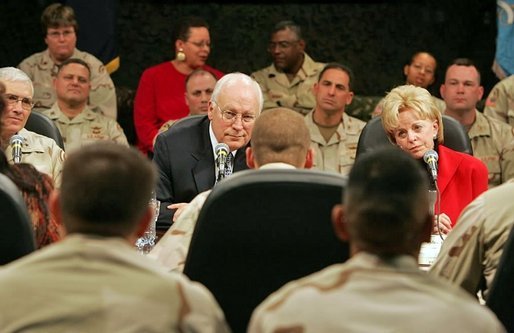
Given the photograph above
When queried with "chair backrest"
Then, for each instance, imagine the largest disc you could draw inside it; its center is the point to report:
(41, 124)
(16, 233)
(260, 229)
(373, 135)
(501, 293)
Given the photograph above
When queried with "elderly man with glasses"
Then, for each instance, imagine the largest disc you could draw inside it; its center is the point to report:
(185, 154)
(19, 144)
(288, 81)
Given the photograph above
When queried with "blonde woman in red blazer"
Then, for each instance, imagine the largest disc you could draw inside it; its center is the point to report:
(414, 124)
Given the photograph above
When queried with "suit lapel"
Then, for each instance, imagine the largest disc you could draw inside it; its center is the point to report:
(240, 159)
(203, 170)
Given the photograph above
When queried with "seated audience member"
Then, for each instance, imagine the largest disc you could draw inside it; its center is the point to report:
(36, 188)
(60, 31)
(385, 217)
(492, 140)
(419, 72)
(78, 124)
(414, 123)
(38, 150)
(94, 277)
(470, 254)
(199, 87)
(4, 163)
(188, 169)
(500, 102)
(289, 80)
(334, 134)
(280, 139)
(161, 89)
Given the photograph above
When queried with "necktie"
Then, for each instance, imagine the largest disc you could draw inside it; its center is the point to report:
(228, 168)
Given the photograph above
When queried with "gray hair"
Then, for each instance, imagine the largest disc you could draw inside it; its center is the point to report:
(238, 79)
(13, 74)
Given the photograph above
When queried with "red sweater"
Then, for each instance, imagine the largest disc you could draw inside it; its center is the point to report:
(461, 178)
(159, 98)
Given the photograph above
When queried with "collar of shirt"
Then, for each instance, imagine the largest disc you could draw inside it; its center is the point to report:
(480, 127)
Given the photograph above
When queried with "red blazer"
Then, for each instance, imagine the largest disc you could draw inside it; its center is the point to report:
(159, 98)
(461, 178)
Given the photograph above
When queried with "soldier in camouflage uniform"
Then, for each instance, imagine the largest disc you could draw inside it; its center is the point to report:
(59, 29)
(334, 134)
(500, 102)
(492, 140)
(385, 217)
(78, 124)
(94, 276)
(288, 82)
(471, 252)
(38, 150)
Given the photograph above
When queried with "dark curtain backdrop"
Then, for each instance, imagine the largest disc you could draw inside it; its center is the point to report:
(375, 38)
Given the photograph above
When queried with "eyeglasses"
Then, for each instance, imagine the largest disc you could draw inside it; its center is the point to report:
(231, 117)
(282, 45)
(57, 34)
(26, 103)
(201, 44)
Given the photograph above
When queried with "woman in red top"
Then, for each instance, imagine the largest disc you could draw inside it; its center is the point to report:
(161, 90)
(413, 123)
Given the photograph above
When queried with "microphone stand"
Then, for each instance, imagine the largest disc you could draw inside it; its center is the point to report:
(438, 210)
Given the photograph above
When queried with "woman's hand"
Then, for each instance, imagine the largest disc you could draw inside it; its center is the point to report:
(445, 224)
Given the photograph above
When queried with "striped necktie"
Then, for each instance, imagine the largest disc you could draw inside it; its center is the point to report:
(229, 166)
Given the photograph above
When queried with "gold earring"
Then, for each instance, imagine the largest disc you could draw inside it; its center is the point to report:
(181, 56)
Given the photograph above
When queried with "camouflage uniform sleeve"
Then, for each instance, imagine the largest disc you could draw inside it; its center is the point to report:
(497, 103)
(27, 67)
(171, 250)
(507, 158)
(58, 157)
(199, 310)
(459, 260)
(117, 135)
(260, 78)
(103, 94)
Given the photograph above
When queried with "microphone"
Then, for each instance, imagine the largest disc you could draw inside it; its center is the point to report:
(431, 158)
(221, 150)
(16, 141)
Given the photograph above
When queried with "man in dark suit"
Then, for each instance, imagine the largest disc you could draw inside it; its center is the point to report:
(184, 154)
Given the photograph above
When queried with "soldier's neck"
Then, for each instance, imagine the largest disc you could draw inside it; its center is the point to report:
(71, 110)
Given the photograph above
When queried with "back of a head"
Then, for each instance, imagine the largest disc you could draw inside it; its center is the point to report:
(36, 188)
(386, 202)
(56, 16)
(105, 189)
(238, 80)
(280, 135)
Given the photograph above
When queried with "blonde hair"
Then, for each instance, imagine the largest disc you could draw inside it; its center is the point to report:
(409, 97)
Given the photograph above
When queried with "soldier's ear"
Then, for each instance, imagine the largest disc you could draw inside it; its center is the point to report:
(250, 159)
